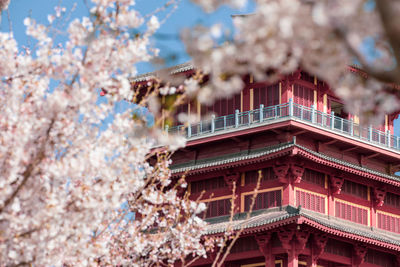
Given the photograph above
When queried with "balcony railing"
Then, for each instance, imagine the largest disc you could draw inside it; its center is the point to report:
(292, 111)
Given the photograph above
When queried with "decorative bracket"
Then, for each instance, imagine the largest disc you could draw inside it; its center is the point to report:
(318, 246)
(281, 171)
(265, 247)
(291, 172)
(231, 177)
(359, 253)
(336, 184)
(297, 170)
(293, 246)
(379, 196)
(286, 236)
(302, 237)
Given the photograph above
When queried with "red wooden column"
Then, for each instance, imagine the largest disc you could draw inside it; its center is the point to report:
(232, 177)
(377, 200)
(289, 173)
(287, 83)
(335, 186)
(265, 247)
(286, 238)
(281, 171)
(293, 241)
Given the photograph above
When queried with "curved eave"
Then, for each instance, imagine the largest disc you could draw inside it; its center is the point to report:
(291, 215)
(287, 149)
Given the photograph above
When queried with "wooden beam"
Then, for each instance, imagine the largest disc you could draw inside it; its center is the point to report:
(299, 132)
(372, 155)
(350, 149)
(330, 142)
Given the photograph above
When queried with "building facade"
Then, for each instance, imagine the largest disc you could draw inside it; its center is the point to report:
(328, 194)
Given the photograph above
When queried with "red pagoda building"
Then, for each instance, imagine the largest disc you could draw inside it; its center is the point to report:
(328, 194)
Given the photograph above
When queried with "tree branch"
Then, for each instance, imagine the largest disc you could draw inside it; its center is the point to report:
(28, 171)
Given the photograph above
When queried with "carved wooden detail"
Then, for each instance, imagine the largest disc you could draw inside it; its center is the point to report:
(359, 253)
(289, 172)
(296, 171)
(231, 177)
(265, 247)
(285, 235)
(302, 237)
(336, 183)
(293, 241)
(318, 245)
(379, 196)
(281, 171)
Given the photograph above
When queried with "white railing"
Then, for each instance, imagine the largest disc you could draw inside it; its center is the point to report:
(288, 110)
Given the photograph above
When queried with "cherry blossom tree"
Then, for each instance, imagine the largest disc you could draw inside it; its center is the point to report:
(69, 189)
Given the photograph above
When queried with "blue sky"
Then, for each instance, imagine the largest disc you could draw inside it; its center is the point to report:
(166, 39)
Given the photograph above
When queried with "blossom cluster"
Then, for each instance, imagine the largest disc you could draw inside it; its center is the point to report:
(74, 193)
(280, 36)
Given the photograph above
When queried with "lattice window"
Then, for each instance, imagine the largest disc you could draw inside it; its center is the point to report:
(243, 244)
(389, 223)
(223, 106)
(355, 189)
(251, 177)
(268, 96)
(380, 258)
(392, 200)
(264, 200)
(314, 177)
(310, 201)
(307, 77)
(207, 185)
(303, 95)
(351, 213)
(337, 247)
(218, 208)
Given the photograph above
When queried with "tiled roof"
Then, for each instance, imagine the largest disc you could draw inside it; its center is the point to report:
(173, 70)
(348, 164)
(270, 216)
(229, 158)
(257, 153)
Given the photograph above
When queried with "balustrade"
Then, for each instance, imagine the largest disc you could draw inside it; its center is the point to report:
(292, 111)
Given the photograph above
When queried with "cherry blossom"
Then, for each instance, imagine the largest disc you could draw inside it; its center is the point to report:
(71, 192)
(321, 37)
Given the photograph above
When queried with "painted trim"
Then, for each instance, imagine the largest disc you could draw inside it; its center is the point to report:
(315, 99)
(325, 103)
(280, 93)
(386, 123)
(243, 179)
(326, 181)
(198, 110)
(251, 99)
(262, 264)
(386, 213)
(305, 264)
(325, 197)
(215, 198)
(241, 101)
(369, 193)
(356, 119)
(355, 205)
(243, 195)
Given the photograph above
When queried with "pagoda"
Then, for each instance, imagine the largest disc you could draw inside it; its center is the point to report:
(328, 194)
